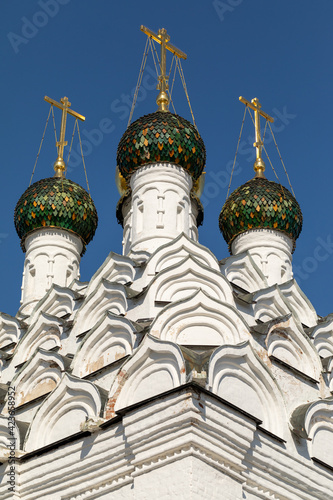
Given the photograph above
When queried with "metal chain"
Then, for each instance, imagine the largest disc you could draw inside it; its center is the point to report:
(233, 166)
(151, 45)
(54, 125)
(181, 73)
(70, 147)
(40, 146)
(271, 164)
(285, 170)
(84, 165)
(263, 139)
(143, 65)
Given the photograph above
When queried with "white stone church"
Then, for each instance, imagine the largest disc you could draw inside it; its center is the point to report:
(170, 374)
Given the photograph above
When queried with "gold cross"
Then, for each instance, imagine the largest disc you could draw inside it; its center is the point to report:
(163, 39)
(259, 165)
(64, 105)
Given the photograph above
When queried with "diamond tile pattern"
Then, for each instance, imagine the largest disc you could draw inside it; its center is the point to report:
(56, 202)
(161, 137)
(260, 203)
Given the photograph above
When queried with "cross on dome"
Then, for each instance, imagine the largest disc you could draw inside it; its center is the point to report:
(64, 104)
(163, 39)
(259, 165)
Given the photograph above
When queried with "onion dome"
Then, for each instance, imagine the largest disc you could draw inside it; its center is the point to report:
(260, 204)
(56, 202)
(161, 137)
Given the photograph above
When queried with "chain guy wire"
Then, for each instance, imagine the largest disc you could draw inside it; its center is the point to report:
(173, 81)
(54, 125)
(239, 138)
(285, 170)
(70, 147)
(182, 77)
(152, 47)
(40, 146)
(143, 65)
(84, 165)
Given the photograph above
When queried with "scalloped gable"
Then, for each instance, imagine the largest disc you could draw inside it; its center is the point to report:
(314, 422)
(287, 342)
(45, 332)
(110, 340)
(200, 320)
(237, 374)
(107, 296)
(39, 376)
(58, 301)
(156, 367)
(322, 336)
(9, 330)
(116, 268)
(271, 303)
(242, 271)
(175, 251)
(185, 278)
(63, 412)
(300, 303)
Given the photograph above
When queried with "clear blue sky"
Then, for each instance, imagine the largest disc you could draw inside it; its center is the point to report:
(278, 51)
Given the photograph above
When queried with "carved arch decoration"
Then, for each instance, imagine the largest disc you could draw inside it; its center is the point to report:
(314, 422)
(106, 297)
(9, 330)
(58, 301)
(200, 320)
(270, 303)
(63, 412)
(299, 303)
(155, 367)
(116, 268)
(44, 333)
(287, 342)
(39, 376)
(176, 251)
(322, 337)
(111, 339)
(185, 278)
(242, 271)
(237, 375)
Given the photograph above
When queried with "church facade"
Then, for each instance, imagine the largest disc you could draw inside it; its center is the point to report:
(170, 374)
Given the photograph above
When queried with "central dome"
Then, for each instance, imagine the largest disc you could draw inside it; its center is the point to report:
(58, 203)
(161, 137)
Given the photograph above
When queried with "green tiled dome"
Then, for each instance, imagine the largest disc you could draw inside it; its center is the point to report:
(260, 204)
(161, 137)
(59, 203)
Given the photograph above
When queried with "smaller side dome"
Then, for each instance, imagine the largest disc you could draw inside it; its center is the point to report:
(161, 137)
(260, 204)
(58, 203)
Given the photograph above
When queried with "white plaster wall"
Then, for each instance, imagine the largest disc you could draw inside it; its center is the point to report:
(160, 208)
(271, 251)
(52, 257)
